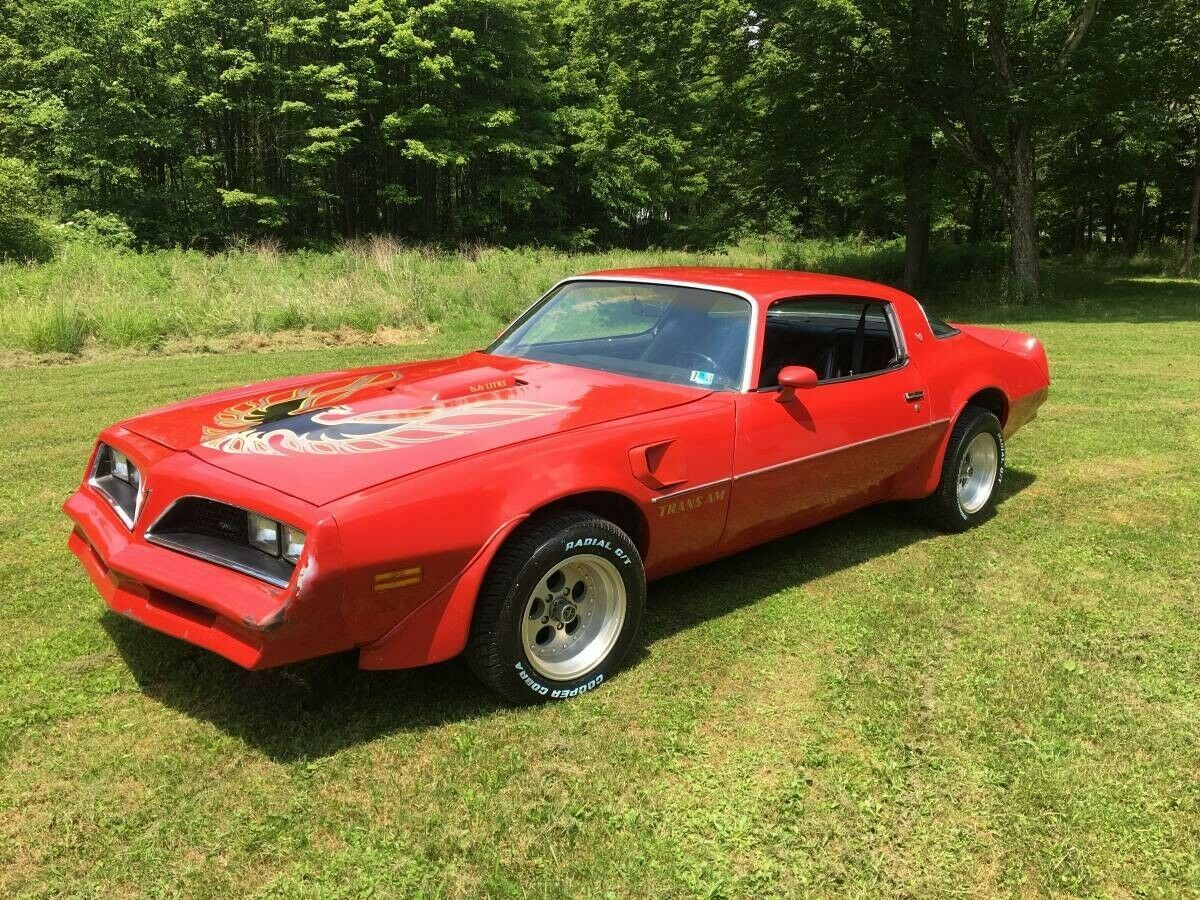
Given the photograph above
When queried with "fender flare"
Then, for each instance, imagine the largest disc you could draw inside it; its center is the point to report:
(939, 457)
(437, 630)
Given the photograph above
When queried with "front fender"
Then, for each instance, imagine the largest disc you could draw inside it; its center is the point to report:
(417, 549)
(437, 630)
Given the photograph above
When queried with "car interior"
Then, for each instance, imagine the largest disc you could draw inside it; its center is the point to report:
(680, 335)
(699, 339)
(835, 338)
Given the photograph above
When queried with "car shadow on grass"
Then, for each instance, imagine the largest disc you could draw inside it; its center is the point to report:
(315, 709)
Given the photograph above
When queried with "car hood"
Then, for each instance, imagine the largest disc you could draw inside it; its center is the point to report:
(321, 437)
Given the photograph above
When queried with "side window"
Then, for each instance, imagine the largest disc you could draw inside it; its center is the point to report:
(836, 338)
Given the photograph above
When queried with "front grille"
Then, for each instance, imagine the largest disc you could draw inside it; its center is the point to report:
(218, 533)
(201, 516)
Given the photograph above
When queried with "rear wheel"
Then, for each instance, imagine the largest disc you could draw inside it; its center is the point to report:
(972, 471)
(559, 609)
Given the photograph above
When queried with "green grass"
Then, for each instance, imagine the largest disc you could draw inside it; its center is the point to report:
(865, 708)
(102, 300)
(128, 300)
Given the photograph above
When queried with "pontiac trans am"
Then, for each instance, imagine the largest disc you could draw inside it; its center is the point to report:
(512, 503)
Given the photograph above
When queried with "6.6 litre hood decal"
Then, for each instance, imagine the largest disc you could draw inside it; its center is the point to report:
(340, 429)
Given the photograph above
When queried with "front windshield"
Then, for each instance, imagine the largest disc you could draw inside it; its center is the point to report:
(683, 335)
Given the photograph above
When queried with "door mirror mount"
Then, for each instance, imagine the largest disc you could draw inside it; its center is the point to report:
(795, 378)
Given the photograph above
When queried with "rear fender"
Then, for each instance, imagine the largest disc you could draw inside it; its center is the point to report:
(1017, 343)
(925, 480)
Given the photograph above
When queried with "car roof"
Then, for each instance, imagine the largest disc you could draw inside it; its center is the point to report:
(765, 285)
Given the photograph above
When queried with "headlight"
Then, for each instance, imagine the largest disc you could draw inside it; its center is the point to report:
(293, 543)
(263, 533)
(274, 538)
(119, 480)
(230, 536)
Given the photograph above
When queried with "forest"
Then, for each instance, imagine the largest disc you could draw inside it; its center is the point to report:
(1050, 126)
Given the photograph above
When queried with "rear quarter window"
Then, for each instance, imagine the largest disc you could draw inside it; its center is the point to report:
(940, 328)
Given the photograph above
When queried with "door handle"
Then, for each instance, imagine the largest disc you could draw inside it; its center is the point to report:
(914, 396)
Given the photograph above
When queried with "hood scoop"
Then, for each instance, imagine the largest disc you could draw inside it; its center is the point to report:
(466, 383)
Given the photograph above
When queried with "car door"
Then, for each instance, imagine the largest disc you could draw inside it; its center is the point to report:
(834, 446)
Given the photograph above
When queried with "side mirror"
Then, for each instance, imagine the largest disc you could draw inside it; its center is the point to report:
(795, 378)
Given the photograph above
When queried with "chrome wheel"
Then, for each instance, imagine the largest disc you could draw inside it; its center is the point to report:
(977, 472)
(573, 617)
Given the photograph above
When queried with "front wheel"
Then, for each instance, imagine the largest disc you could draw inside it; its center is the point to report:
(559, 609)
(972, 471)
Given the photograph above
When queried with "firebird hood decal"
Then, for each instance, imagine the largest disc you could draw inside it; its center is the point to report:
(341, 430)
(324, 436)
(273, 407)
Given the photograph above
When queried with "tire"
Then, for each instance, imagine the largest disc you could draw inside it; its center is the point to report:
(536, 637)
(957, 506)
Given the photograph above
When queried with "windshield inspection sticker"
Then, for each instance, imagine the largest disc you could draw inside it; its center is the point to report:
(704, 379)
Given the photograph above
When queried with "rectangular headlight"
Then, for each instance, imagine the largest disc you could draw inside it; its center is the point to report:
(118, 479)
(274, 538)
(120, 465)
(231, 536)
(293, 543)
(263, 533)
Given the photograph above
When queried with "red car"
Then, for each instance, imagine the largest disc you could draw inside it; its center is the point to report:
(513, 502)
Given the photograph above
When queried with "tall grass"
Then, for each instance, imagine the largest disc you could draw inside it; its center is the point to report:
(111, 298)
(884, 260)
(122, 299)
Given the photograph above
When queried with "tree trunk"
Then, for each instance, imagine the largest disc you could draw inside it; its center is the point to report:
(1022, 216)
(917, 169)
(1133, 228)
(1079, 229)
(978, 192)
(1160, 228)
(976, 233)
(1189, 240)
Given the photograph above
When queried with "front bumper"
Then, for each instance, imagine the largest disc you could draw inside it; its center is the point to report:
(246, 620)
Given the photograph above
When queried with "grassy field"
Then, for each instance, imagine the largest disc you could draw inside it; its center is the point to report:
(93, 301)
(868, 707)
(97, 298)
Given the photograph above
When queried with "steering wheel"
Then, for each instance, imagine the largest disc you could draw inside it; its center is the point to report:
(707, 363)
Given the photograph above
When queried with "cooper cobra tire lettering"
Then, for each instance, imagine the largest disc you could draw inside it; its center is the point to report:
(533, 685)
(496, 645)
(559, 693)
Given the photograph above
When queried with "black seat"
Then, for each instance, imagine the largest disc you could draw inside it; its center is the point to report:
(827, 364)
(787, 346)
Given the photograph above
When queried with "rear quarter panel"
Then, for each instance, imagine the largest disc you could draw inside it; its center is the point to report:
(961, 365)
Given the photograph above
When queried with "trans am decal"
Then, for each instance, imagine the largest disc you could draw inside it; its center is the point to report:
(339, 429)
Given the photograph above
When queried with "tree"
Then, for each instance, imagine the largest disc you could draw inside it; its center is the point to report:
(997, 72)
(22, 234)
(1179, 98)
(585, 122)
